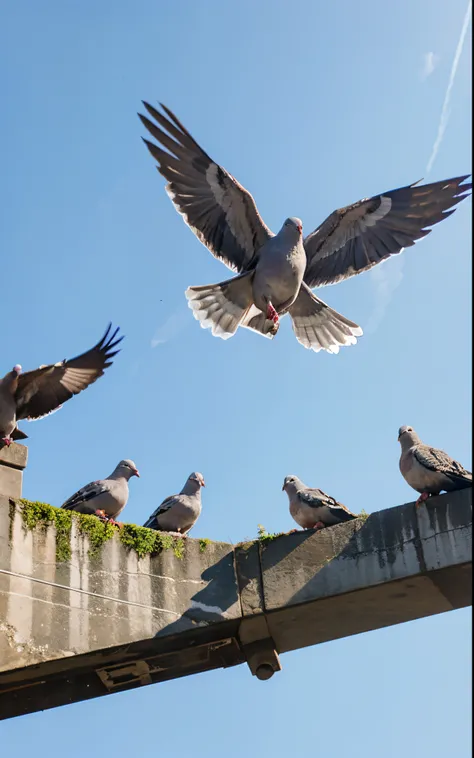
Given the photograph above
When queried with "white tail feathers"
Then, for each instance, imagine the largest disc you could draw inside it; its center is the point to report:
(318, 327)
(221, 307)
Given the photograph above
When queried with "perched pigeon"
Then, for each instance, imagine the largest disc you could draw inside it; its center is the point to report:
(277, 272)
(311, 508)
(38, 393)
(179, 513)
(107, 497)
(428, 470)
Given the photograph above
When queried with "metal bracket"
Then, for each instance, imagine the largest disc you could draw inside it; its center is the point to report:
(137, 672)
(262, 658)
(259, 647)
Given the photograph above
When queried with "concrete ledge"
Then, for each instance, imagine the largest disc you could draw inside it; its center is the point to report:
(51, 609)
(91, 625)
(13, 461)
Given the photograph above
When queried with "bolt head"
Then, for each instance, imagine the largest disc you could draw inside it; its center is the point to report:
(264, 671)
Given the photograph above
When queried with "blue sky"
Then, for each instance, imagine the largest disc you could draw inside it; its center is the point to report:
(311, 106)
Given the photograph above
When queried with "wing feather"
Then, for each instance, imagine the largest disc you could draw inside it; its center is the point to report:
(356, 238)
(44, 390)
(219, 210)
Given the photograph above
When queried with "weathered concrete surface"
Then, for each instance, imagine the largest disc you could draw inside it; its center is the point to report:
(51, 610)
(91, 626)
(400, 564)
(13, 461)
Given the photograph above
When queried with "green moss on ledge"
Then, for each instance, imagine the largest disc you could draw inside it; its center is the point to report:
(363, 515)
(147, 541)
(36, 513)
(264, 536)
(98, 532)
(142, 541)
(203, 543)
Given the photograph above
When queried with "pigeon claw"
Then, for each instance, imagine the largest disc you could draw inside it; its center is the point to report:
(101, 514)
(319, 525)
(6, 441)
(115, 523)
(424, 496)
(272, 315)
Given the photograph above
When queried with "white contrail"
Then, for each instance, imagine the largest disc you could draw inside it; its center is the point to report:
(386, 281)
(443, 122)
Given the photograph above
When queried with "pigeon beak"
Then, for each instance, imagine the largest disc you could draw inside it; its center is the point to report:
(300, 228)
(283, 488)
(203, 483)
(136, 472)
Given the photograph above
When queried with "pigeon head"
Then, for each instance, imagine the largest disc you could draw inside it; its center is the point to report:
(197, 478)
(407, 436)
(127, 469)
(11, 379)
(293, 225)
(292, 484)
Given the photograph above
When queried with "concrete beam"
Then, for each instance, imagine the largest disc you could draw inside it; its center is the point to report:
(92, 625)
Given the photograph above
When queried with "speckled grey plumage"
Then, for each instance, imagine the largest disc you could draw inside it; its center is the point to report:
(310, 506)
(109, 495)
(428, 470)
(178, 513)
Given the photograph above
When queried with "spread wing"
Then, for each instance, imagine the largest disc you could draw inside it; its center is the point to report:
(356, 238)
(151, 522)
(43, 391)
(220, 212)
(440, 462)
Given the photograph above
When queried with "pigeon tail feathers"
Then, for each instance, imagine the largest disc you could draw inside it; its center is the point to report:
(319, 327)
(222, 307)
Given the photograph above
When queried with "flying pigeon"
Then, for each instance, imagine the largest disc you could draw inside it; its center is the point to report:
(38, 393)
(311, 508)
(428, 470)
(105, 498)
(178, 513)
(276, 273)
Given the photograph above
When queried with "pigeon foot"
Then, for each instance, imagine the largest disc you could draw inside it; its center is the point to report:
(272, 314)
(424, 496)
(6, 441)
(101, 514)
(115, 523)
(318, 525)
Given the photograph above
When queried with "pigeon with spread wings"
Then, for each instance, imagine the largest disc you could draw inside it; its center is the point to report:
(276, 273)
(38, 393)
